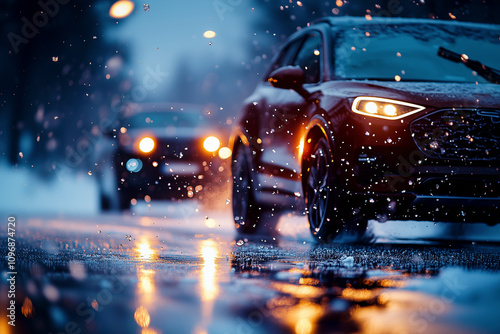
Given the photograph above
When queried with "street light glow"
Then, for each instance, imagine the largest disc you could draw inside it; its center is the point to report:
(121, 9)
(209, 34)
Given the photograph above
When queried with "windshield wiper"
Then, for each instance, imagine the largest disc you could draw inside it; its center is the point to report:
(489, 73)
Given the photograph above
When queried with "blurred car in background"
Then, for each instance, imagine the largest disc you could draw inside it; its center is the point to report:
(373, 119)
(166, 151)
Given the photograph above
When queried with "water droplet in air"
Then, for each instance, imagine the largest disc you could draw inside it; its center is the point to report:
(146, 7)
(228, 201)
(240, 242)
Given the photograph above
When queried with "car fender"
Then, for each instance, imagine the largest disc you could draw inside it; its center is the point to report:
(317, 126)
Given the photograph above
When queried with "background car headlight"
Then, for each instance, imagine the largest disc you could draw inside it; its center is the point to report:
(384, 108)
(146, 144)
(211, 144)
(225, 152)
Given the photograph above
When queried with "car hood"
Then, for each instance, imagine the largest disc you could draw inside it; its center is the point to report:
(170, 132)
(431, 94)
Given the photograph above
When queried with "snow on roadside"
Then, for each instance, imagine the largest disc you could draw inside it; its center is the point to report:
(455, 301)
(24, 192)
(475, 296)
(461, 286)
(402, 231)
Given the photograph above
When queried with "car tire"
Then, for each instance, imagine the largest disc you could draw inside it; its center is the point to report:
(329, 212)
(246, 212)
(123, 200)
(104, 202)
(118, 202)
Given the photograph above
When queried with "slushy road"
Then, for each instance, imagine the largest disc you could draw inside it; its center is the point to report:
(179, 268)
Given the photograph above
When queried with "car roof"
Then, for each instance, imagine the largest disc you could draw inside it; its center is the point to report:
(346, 22)
(165, 107)
(350, 21)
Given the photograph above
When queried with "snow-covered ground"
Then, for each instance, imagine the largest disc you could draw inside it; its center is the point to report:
(25, 193)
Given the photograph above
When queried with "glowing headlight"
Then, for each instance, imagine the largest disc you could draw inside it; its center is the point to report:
(384, 108)
(225, 152)
(211, 144)
(146, 144)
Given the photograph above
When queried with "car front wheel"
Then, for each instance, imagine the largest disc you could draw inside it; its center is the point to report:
(329, 214)
(245, 211)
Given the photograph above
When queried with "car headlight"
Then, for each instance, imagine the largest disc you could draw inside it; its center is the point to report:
(211, 144)
(384, 108)
(147, 144)
(225, 153)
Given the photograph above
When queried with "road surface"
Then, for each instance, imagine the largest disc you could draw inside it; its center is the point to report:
(180, 268)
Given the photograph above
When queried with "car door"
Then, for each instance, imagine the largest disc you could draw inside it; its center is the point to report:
(283, 116)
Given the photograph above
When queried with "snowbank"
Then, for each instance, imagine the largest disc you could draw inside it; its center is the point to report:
(24, 192)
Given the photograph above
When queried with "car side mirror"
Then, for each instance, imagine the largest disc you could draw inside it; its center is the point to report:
(289, 77)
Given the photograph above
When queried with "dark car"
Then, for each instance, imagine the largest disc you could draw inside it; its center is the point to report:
(166, 151)
(373, 119)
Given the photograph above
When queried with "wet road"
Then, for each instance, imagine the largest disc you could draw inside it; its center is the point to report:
(179, 268)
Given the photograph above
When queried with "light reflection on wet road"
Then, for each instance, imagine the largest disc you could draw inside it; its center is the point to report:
(185, 271)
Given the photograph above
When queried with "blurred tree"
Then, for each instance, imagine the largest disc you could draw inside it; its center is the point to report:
(62, 76)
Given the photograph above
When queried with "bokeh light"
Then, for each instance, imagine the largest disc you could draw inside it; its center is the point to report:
(225, 153)
(121, 9)
(146, 144)
(211, 144)
(209, 34)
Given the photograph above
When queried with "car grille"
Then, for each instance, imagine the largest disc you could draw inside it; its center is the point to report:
(459, 134)
(176, 149)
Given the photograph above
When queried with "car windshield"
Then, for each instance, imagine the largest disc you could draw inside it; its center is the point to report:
(409, 52)
(163, 119)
